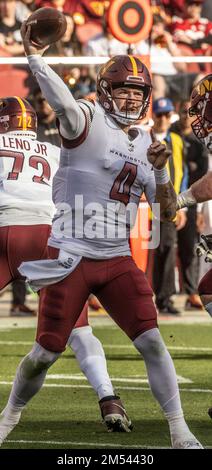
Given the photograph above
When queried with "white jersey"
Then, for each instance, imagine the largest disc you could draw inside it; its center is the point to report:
(27, 168)
(96, 184)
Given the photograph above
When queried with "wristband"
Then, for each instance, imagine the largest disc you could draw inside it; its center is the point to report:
(161, 176)
(185, 199)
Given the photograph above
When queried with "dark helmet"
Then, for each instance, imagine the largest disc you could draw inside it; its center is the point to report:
(17, 114)
(201, 107)
(119, 72)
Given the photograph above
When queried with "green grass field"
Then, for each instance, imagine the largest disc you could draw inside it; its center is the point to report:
(65, 414)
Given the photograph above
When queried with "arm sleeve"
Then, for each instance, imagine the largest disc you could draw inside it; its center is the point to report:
(150, 188)
(71, 117)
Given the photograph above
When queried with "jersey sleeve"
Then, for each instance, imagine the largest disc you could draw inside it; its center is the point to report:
(71, 117)
(88, 109)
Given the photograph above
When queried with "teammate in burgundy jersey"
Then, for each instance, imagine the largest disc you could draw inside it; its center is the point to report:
(106, 163)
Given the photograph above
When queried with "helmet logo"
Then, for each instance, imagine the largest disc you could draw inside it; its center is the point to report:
(4, 118)
(205, 85)
(5, 121)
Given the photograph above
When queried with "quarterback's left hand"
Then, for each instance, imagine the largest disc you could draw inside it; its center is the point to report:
(157, 153)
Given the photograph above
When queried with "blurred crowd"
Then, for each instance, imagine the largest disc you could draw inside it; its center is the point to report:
(180, 28)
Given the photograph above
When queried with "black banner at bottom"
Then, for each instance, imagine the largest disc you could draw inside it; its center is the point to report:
(99, 458)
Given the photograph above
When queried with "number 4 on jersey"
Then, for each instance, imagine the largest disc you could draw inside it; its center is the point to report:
(120, 190)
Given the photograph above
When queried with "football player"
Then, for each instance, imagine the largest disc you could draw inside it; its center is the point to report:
(26, 173)
(106, 161)
(27, 167)
(201, 190)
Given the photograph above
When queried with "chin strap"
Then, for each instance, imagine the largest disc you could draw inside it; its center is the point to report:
(122, 118)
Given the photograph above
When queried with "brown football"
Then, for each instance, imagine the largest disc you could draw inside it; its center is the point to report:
(48, 25)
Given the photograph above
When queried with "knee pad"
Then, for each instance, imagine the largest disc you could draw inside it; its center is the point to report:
(38, 360)
(79, 332)
(150, 343)
(84, 343)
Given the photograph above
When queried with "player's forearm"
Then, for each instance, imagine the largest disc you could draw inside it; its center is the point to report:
(59, 97)
(200, 191)
(165, 195)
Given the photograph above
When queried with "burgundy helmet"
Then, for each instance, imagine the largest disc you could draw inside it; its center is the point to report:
(201, 107)
(16, 114)
(119, 72)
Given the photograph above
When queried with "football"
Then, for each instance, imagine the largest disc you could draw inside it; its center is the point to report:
(48, 25)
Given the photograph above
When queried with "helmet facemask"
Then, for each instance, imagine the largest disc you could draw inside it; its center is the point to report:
(202, 127)
(134, 108)
(124, 71)
(203, 131)
(201, 108)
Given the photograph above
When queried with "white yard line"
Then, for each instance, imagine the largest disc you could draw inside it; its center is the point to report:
(13, 343)
(131, 379)
(121, 387)
(94, 444)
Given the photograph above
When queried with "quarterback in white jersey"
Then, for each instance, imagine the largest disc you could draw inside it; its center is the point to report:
(119, 164)
(27, 168)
